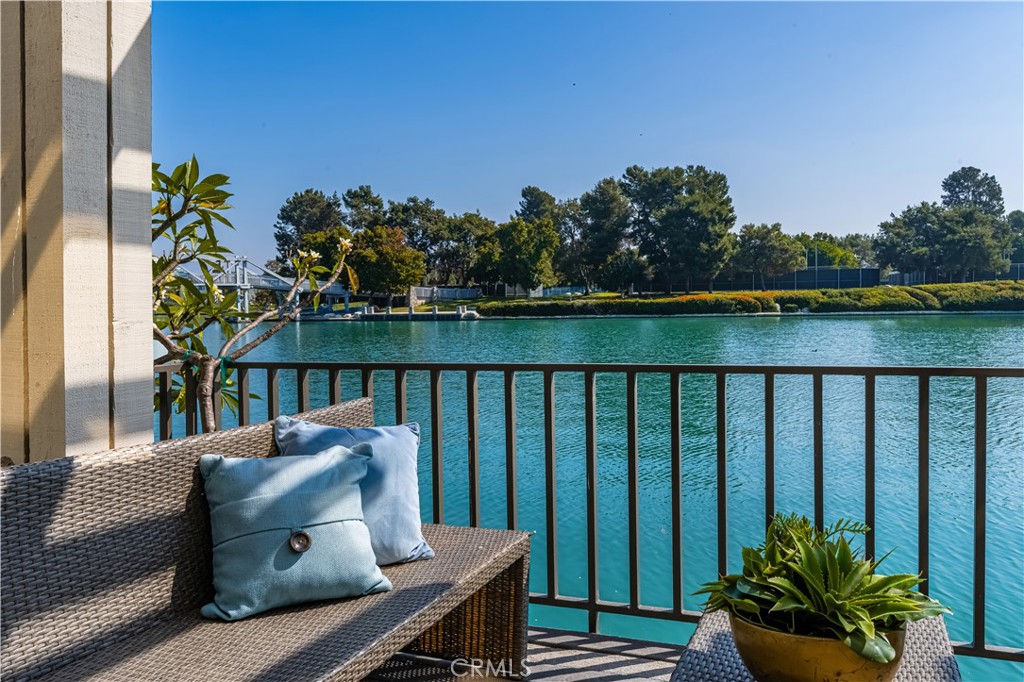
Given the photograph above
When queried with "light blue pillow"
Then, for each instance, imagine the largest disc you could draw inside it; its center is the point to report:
(288, 530)
(391, 490)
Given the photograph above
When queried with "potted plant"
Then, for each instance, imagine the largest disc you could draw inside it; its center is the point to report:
(809, 608)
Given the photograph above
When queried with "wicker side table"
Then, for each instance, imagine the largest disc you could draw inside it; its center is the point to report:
(711, 655)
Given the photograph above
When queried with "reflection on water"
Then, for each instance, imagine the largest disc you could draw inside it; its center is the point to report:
(968, 340)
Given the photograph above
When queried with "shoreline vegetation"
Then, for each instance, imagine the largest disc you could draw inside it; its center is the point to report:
(969, 297)
(665, 228)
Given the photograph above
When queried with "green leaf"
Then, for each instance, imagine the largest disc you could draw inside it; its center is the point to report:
(789, 603)
(215, 180)
(854, 579)
(188, 288)
(844, 622)
(753, 589)
(207, 275)
(161, 179)
(834, 578)
(752, 560)
(880, 611)
(877, 584)
(876, 648)
(790, 589)
(353, 279)
(744, 605)
(178, 175)
(193, 172)
(844, 556)
(809, 567)
(221, 219)
(862, 619)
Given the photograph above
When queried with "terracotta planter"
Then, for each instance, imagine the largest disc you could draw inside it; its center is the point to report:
(772, 656)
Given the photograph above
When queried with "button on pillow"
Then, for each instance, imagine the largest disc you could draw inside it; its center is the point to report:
(391, 492)
(288, 530)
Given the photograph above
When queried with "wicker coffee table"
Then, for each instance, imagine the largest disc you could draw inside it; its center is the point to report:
(711, 655)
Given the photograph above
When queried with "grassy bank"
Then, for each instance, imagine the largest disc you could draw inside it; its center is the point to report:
(975, 296)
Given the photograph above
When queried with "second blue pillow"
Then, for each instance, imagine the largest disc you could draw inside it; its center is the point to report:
(390, 491)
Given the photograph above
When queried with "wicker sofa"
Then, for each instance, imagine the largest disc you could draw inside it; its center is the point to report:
(106, 560)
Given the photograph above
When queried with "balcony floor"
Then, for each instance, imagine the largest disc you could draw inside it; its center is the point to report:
(561, 655)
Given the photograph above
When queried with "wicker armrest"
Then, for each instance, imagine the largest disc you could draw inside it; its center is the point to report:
(489, 626)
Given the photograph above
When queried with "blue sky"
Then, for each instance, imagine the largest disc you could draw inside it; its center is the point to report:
(824, 116)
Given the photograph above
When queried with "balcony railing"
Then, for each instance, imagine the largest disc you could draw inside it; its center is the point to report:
(507, 374)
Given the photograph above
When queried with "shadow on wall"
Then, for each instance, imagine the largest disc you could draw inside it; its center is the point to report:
(55, 209)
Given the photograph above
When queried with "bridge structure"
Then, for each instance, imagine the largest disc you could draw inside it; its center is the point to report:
(247, 277)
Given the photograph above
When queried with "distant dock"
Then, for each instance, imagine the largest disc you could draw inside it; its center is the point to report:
(373, 314)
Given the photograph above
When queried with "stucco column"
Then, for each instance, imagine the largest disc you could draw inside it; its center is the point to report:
(76, 355)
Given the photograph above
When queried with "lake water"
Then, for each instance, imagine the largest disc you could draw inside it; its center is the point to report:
(949, 340)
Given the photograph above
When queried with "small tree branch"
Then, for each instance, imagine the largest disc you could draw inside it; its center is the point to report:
(172, 217)
(278, 326)
(177, 335)
(172, 265)
(263, 317)
(166, 342)
(285, 319)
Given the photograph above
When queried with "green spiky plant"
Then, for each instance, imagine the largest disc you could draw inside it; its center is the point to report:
(807, 581)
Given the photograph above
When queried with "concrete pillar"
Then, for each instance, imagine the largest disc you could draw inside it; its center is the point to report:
(76, 360)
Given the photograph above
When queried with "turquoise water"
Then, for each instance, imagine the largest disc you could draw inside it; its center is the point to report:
(971, 340)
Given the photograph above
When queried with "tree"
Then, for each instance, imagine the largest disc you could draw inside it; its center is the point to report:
(457, 256)
(386, 263)
(605, 227)
(650, 192)
(526, 253)
(824, 250)
(681, 221)
(363, 208)
(769, 252)
(276, 265)
(570, 261)
(324, 243)
(973, 240)
(1015, 225)
(425, 228)
(623, 270)
(908, 242)
(951, 241)
(183, 218)
(862, 246)
(486, 267)
(308, 211)
(537, 205)
(970, 187)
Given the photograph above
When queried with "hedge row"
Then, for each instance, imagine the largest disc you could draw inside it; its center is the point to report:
(681, 305)
(1003, 295)
(955, 297)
